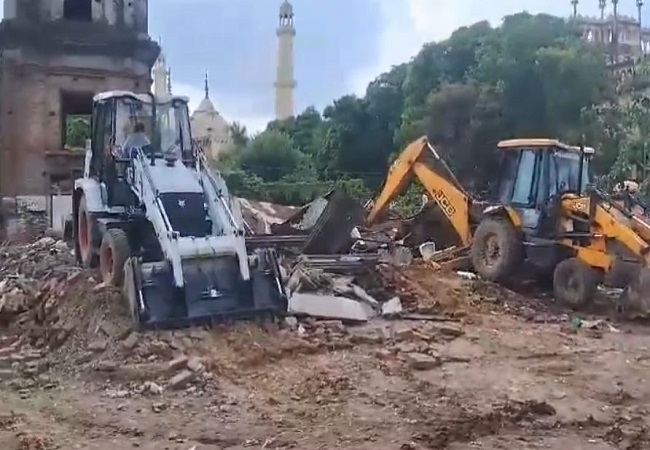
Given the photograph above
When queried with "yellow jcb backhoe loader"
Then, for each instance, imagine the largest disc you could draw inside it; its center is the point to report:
(542, 215)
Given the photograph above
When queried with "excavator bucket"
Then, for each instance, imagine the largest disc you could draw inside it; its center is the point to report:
(635, 300)
(213, 292)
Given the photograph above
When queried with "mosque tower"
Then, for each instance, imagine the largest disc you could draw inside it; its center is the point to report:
(285, 83)
(161, 77)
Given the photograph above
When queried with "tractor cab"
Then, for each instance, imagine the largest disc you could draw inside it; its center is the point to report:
(535, 173)
(124, 123)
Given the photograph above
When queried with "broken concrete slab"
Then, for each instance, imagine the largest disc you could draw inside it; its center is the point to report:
(392, 308)
(195, 364)
(329, 307)
(131, 341)
(370, 336)
(181, 379)
(449, 331)
(421, 361)
(177, 363)
(97, 346)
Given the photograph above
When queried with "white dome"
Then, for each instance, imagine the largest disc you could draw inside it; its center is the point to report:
(206, 105)
(207, 120)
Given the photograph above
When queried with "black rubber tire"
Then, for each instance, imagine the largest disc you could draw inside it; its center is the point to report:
(113, 253)
(622, 274)
(85, 240)
(574, 283)
(635, 301)
(500, 236)
(129, 291)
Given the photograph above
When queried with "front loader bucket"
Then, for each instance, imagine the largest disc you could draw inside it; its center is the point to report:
(635, 300)
(214, 292)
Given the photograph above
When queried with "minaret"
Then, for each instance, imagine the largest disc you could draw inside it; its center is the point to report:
(160, 77)
(615, 32)
(574, 3)
(602, 4)
(639, 8)
(285, 84)
(206, 86)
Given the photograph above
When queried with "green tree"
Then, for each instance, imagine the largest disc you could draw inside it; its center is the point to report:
(77, 131)
(239, 135)
(305, 130)
(270, 155)
(532, 76)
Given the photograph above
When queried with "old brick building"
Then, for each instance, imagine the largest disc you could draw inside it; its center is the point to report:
(55, 55)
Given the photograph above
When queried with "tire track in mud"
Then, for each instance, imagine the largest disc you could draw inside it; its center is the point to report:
(467, 426)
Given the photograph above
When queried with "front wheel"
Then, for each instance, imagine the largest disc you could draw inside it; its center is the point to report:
(497, 249)
(86, 236)
(574, 283)
(113, 253)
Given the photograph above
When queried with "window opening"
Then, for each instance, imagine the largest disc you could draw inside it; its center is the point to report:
(76, 112)
(78, 10)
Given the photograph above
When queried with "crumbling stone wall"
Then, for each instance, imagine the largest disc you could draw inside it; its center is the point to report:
(31, 118)
(43, 56)
(23, 219)
(124, 13)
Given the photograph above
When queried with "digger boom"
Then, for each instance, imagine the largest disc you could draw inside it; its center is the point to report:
(421, 160)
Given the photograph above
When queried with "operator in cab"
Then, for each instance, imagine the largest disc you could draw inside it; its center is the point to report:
(137, 139)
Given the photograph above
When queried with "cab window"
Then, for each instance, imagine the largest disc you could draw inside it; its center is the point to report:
(508, 175)
(523, 188)
(567, 173)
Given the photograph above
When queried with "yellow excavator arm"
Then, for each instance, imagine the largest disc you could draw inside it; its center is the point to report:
(608, 223)
(420, 160)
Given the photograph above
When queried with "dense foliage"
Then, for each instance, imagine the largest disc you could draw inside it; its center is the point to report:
(532, 76)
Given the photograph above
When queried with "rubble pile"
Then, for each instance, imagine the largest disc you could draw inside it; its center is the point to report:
(56, 319)
(34, 278)
(22, 220)
(55, 316)
(44, 300)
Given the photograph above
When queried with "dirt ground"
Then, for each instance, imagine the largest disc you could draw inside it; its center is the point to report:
(502, 372)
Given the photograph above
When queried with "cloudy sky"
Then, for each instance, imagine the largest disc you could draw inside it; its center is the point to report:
(340, 45)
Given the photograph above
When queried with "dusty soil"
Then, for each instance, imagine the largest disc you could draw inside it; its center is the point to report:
(503, 372)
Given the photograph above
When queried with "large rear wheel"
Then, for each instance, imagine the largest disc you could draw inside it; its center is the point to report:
(497, 249)
(574, 283)
(113, 253)
(85, 234)
(636, 298)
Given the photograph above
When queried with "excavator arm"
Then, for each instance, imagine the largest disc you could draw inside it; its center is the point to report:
(608, 223)
(420, 160)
